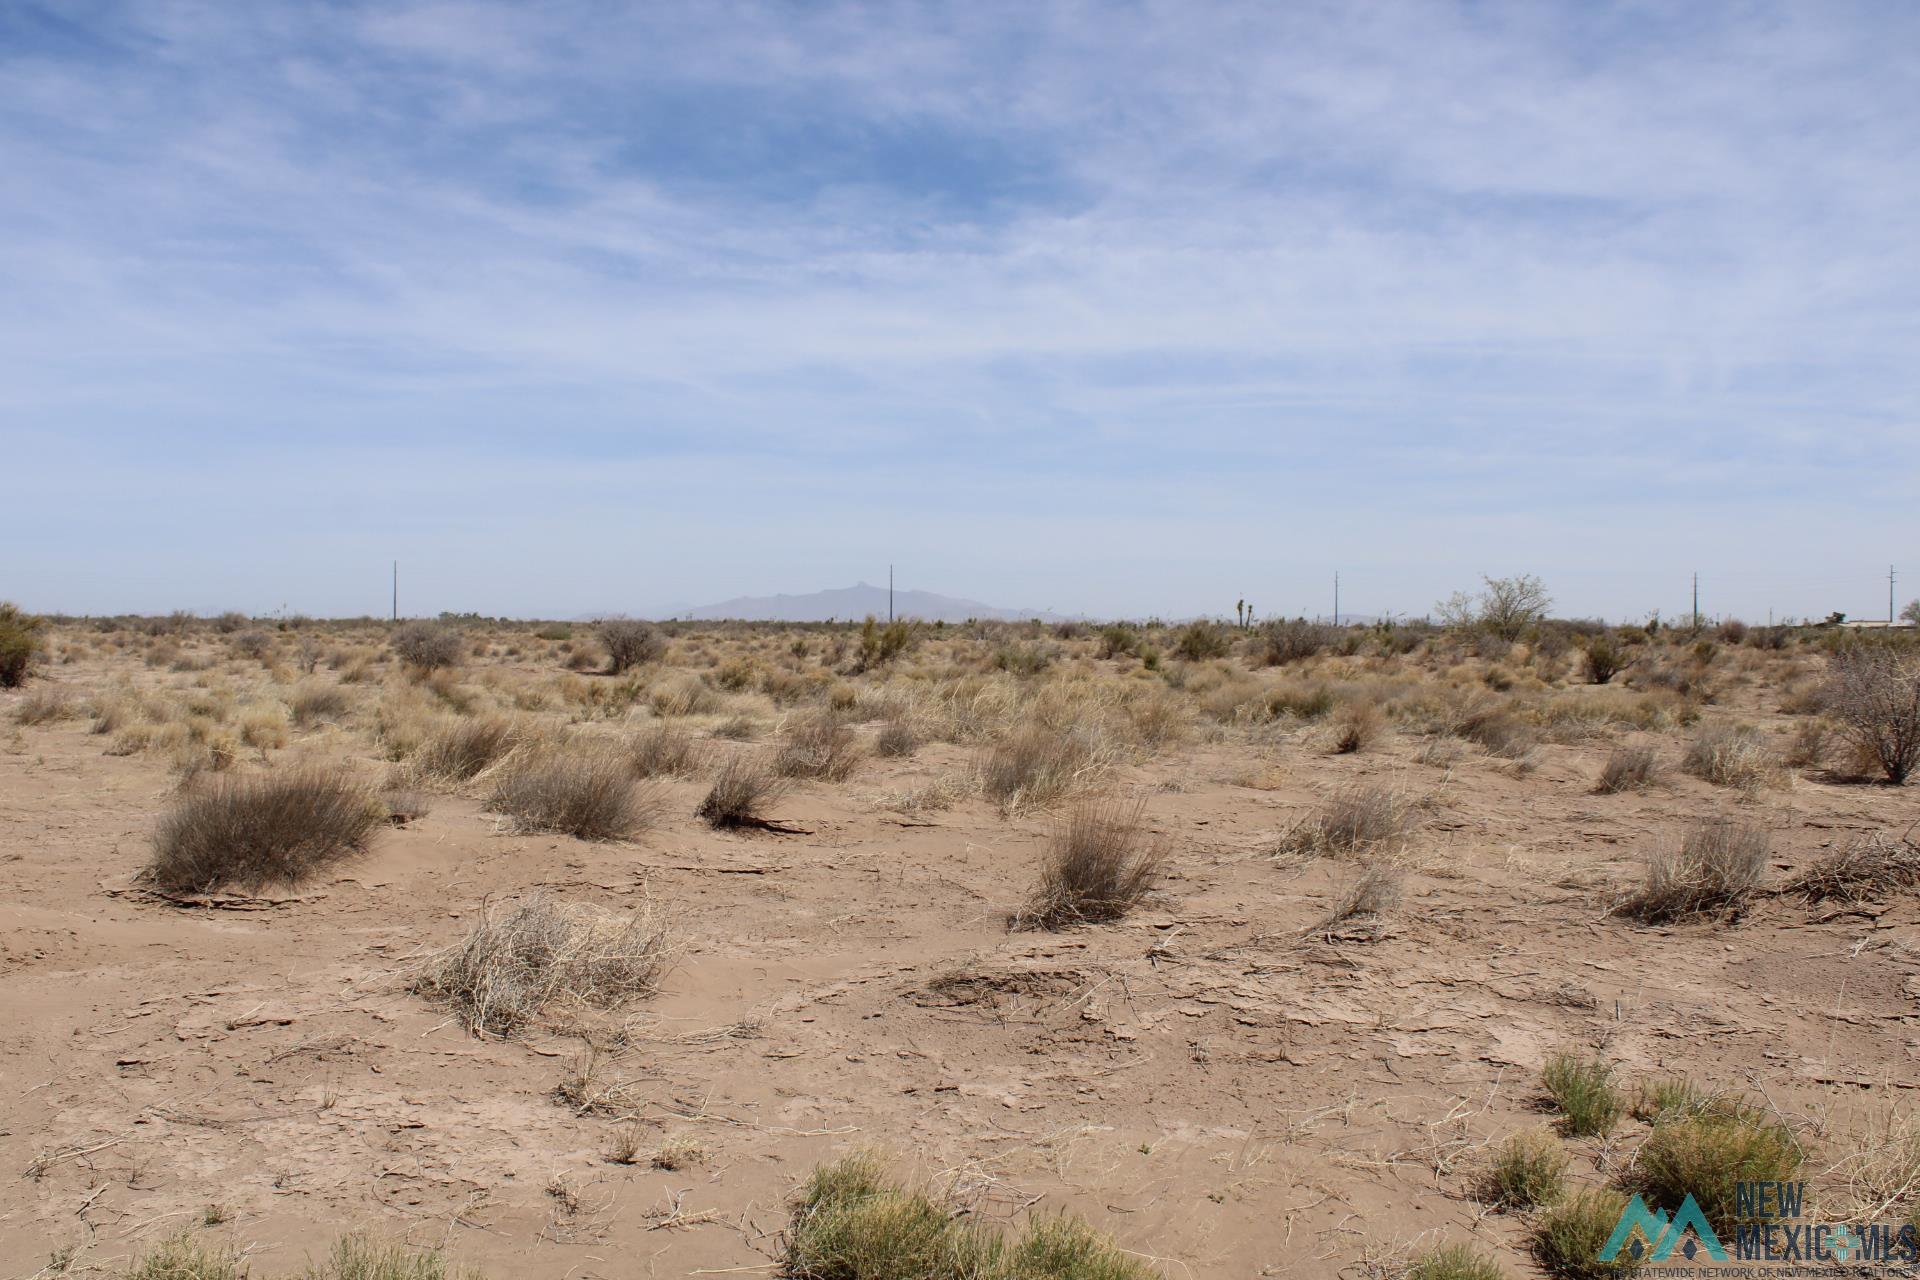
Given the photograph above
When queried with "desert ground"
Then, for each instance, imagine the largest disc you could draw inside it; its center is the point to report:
(1294, 1054)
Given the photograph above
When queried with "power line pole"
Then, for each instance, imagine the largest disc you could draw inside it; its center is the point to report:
(1336, 597)
(1696, 599)
(1889, 595)
(396, 591)
(889, 593)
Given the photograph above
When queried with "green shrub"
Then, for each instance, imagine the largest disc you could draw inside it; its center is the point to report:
(20, 645)
(881, 643)
(1568, 1237)
(1201, 640)
(1707, 1154)
(851, 1223)
(1583, 1090)
(1528, 1170)
(1454, 1262)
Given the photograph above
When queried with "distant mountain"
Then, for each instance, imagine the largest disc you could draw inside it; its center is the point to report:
(856, 602)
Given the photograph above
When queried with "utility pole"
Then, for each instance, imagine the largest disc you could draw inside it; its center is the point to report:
(1336, 597)
(1889, 595)
(396, 591)
(889, 593)
(1696, 599)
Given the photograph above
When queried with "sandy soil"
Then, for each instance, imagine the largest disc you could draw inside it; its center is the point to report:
(1212, 1087)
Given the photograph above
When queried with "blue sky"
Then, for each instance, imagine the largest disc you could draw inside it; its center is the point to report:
(1117, 308)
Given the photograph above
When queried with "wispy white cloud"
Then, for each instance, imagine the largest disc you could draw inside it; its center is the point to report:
(1225, 294)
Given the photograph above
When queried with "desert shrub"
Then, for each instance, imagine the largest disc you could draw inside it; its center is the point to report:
(1582, 1088)
(1301, 701)
(1037, 764)
(881, 643)
(265, 829)
(1809, 746)
(1118, 640)
(629, 642)
(1200, 640)
(405, 804)
(1568, 1237)
(360, 1256)
(1528, 1170)
(1291, 640)
(1356, 818)
(1874, 694)
(1098, 865)
(683, 694)
(1499, 733)
(1454, 1262)
(821, 745)
(850, 1222)
(574, 789)
(426, 646)
(1707, 1154)
(1360, 913)
(896, 739)
(1729, 756)
(311, 701)
(1504, 607)
(459, 749)
(664, 751)
(264, 726)
(1867, 868)
(185, 1256)
(1668, 1098)
(1604, 658)
(253, 645)
(44, 706)
(1627, 769)
(1355, 726)
(517, 962)
(1716, 869)
(20, 644)
(744, 786)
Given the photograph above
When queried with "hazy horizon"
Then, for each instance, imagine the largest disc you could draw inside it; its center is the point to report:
(1107, 309)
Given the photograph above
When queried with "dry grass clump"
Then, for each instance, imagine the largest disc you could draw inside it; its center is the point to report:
(44, 706)
(896, 740)
(1730, 756)
(312, 701)
(461, 749)
(1099, 864)
(851, 1222)
(1499, 733)
(358, 1256)
(1528, 1170)
(744, 787)
(576, 789)
(1867, 868)
(1039, 763)
(1877, 1172)
(1716, 869)
(263, 726)
(427, 646)
(821, 745)
(1454, 1262)
(684, 694)
(1874, 694)
(665, 751)
(516, 962)
(629, 642)
(1354, 727)
(260, 830)
(1361, 913)
(1627, 769)
(1355, 819)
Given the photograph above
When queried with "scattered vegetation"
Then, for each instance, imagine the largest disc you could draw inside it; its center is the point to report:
(1037, 764)
(517, 962)
(1582, 1088)
(1454, 1262)
(1568, 1236)
(1099, 864)
(629, 643)
(1874, 695)
(261, 830)
(1730, 756)
(1527, 1171)
(740, 794)
(20, 644)
(881, 643)
(820, 745)
(666, 751)
(1870, 867)
(850, 1222)
(461, 749)
(575, 789)
(1627, 769)
(1716, 869)
(427, 646)
(1708, 1152)
(1358, 818)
